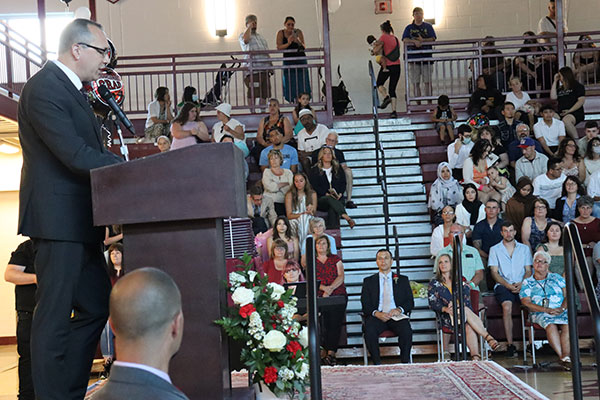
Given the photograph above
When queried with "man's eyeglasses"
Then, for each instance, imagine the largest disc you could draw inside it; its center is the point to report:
(102, 51)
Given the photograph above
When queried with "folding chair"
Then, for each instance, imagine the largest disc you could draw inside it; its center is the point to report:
(526, 323)
(383, 335)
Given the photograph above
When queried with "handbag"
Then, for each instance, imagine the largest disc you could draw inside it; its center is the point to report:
(394, 55)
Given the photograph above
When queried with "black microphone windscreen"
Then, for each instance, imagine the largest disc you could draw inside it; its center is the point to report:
(104, 92)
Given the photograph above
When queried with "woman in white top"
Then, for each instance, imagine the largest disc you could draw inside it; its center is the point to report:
(470, 211)
(592, 158)
(277, 181)
(159, 115)
(441, 236)
(525, 111)
(187, 129)
(445, 191)
(229, 126)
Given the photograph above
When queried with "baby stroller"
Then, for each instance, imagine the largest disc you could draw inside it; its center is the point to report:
(342, 103)
(214, 96)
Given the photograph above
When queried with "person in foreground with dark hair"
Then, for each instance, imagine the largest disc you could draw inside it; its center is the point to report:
(146, 315)
(387, 301)
(61, 144)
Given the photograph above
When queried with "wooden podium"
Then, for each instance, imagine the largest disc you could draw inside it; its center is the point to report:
(171, 207)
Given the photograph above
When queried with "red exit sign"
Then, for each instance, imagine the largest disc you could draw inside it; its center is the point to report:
(383, 6)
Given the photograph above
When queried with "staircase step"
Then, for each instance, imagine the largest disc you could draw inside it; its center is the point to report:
(357, 277)
(389, 154)
(432, 154)
(370, 201)
(379, 220)
(393, 190)
(391, 171)
(370, 145)
(368, 254)
(405, 209)
(369, 137)
(389, 179)
(394, 162)
(406, 230)
(428, 138)
(369, 123)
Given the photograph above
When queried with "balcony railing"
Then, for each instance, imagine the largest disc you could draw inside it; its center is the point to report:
(454, 65)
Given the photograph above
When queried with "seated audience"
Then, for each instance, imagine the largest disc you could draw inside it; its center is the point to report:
(487, 233)
(572, 162)
(510, 262)
(486, 99)
(311, 138)
(524, 111)
(549, 185)
(498, 155)
(330, 271)
(494, 67)
(591, 131)
(549, 130)
(300, 205)
(508, 124)
(190, 95)
(332, 141)
(459, 150)
(303, 103)
(279, 257)
(534, 69)
(113, 234)
(290, 154)
(277, 181)
(571, 98)
(159, 115)
(260, 210)
(587, 225)
(500, 184)
(275, 119)
(445, 191)
(593, 191)
(146, 315)
(591, 161)
(565, 209)
(329, 181)
(440, 301)
(552, 244)
(316, 230)
(534, 228)
(229, 126)
(187, 129)
(586, 63)
(520, 206)
(515, 151)
(163, 143)
(472, 265)
(470, 211)
(475, 170)
(533, 163)
(385, 298)
(227, 138)
(547, 305)
(441, 236)
(293, 274)
(443, 117)
(282, 230)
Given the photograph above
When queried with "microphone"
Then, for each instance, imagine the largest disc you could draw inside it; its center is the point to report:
(110, 99)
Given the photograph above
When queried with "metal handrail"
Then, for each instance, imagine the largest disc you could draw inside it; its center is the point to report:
(573, 249)
(458, 302)
(380, 156)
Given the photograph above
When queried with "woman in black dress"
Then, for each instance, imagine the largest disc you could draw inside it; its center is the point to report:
(295, 80)
(571, 97)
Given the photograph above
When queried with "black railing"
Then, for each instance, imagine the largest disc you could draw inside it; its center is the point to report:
(573, 251)
(458, 301)
(380, 157)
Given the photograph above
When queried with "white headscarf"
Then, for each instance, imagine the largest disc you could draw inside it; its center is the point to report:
(444, 191)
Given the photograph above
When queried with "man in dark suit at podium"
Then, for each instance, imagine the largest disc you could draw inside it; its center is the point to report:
(387, 300)
(61, 143)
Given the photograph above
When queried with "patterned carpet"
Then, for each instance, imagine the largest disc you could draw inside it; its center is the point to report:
(456, 380)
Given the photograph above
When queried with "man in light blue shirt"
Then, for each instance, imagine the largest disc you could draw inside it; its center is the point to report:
(510, 262)
(290, 155)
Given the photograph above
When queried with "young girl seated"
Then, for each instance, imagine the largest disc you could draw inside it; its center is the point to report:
(303, 102)
(376, 49)
(444, 117)
(501, 185)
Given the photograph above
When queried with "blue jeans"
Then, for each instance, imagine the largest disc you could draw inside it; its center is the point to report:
(107, 341)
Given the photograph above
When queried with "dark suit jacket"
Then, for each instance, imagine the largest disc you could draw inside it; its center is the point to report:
(369, 298)
(319, 182)
(61, 143)
(137, 384)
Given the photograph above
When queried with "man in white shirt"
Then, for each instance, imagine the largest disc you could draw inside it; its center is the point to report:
(250, 40)
(146, 315)
(549, 185)
(547, 24)
(459, 151)
(591, 131)
(549, 130)
(310, 138)
(532, 164)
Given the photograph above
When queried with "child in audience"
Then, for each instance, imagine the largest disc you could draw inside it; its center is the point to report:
(377, 51)
(444, 117)
(500, 184)
(303, 102)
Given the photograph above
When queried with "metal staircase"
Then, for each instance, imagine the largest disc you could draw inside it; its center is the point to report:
(407, 211)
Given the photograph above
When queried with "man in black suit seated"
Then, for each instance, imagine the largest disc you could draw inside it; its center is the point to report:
(145, 313)
(383, 310)
(61, 143)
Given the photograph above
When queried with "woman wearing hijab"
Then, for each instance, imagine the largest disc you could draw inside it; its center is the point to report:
(471, 210)
(520, 206)
(445, 191)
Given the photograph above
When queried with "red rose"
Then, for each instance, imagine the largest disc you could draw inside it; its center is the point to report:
(293, 347)
(246, 310)
(274, 326)
(280, 304)
(270, 375)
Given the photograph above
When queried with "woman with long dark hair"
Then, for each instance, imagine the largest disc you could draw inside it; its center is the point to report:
(572, 162)
(159, 115)
(520, 206)
(300, 205)
(390, 45)
(571, 97)
(187, 128)
(282, 230)
(295, 80)
(475, 170)
(190, 95)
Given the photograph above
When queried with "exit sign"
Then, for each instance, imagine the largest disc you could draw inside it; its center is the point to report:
(383, 6)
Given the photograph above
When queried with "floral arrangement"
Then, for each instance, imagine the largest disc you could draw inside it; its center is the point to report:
(419, 290)
(276, 350)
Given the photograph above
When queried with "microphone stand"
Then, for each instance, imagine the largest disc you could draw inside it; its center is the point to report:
(122, 145)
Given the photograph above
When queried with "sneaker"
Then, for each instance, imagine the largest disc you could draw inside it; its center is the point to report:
(566, 363)
(386, 102)
(511, 351)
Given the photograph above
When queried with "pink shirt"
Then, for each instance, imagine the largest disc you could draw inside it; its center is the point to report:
(389, 43)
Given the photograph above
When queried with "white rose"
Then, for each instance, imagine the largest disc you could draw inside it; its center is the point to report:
(303, 371)
(236, 279)
(278, 290)
(242, 296)
(251, 275)
(274, 340)
(303, 337)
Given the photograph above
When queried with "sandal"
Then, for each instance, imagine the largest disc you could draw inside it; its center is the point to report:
(492, 342)
(475, 357)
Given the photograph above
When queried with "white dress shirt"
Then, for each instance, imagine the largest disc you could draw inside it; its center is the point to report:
(382, 282)
(70, 74)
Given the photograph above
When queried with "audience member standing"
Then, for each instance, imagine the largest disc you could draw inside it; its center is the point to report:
(459, 150)
(145, 312)
(259, 85)
(60, 139)
(391, 51)
(571, 98)
(549, 185)
(385, 299)
(295, 80)
(547, 24)
(510, 263)
(21, 272)
(416, 36)
(159, 115)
